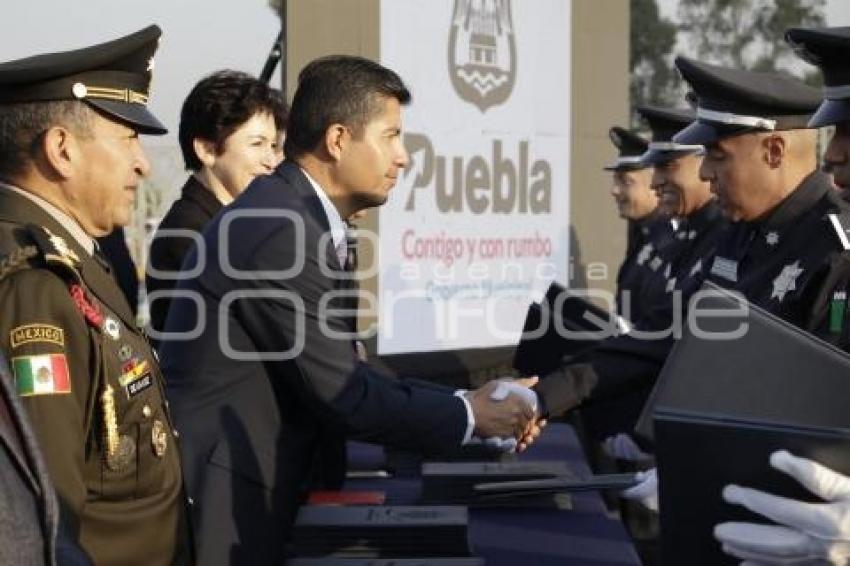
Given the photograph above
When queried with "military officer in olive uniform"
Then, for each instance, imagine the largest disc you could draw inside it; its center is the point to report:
(70, 164)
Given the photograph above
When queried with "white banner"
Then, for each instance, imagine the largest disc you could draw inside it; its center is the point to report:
(478, 224)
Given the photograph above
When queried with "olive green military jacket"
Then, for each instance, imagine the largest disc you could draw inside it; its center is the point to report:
(93, 390)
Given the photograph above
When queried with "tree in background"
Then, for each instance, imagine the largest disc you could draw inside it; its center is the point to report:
(654, 79)
(748, 34)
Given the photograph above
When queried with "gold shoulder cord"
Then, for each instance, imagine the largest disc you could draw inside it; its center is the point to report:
(120, 449)
(110, 424)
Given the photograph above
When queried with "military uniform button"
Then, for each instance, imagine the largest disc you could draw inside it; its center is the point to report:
(190, 501)
(146, 411)
(175, 433)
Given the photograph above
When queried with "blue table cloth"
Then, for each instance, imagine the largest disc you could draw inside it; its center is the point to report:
(581, 536)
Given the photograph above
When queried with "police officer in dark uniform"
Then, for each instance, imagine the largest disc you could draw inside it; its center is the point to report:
(805, 532)
(70, 164)
(783, 251)
(685, 198)
(649, 231)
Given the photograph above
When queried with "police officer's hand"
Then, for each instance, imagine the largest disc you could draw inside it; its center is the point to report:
(646, 491)
(807, 533)
(522, 387)
(509, 414)
(622, 447)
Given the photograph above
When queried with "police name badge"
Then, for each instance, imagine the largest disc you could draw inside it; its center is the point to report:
(725, 268)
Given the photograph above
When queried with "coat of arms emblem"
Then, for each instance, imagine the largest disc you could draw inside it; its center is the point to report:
(482, 51)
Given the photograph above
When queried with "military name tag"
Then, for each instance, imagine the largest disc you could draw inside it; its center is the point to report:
(725, 268)
(135, 387)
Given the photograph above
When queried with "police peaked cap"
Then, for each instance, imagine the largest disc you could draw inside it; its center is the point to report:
(666, 123)
(631, 147)
(829, 49)
(113, 77)
(734, 101)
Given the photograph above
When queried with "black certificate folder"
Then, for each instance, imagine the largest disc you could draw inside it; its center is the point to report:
(719, 409)
(565, 323)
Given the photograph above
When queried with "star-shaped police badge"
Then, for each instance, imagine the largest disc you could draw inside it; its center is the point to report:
(786, 281)
(772, 238)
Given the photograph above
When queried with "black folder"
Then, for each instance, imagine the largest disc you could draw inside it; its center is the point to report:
(427, 561)
(545, 344)
(454, 482)
(381, 531)
(721, 407)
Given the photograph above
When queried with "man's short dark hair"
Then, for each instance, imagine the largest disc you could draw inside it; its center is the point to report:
(339, 89)
(22, 125)
(219, 104)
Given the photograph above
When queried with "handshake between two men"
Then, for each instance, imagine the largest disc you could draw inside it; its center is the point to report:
(506, 414)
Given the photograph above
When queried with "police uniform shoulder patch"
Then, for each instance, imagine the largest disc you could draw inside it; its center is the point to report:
(34, 333)
(45, 374)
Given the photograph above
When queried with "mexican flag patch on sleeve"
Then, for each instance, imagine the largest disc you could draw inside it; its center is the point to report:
(41, 375)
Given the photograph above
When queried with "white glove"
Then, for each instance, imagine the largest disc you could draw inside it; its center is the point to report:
(505, 388)
(500, 393)
(646, 492)
(622, 447)
(808, 533)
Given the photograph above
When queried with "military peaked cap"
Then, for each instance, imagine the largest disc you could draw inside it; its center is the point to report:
(113, 77)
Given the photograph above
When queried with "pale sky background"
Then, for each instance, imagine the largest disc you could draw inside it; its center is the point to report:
(199, 36)
(837, 11)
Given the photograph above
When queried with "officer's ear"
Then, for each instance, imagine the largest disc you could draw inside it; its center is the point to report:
(337, 138)
(775, 146)
(206, 150)
(60, 151)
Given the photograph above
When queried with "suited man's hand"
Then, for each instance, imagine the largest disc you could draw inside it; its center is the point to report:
(503, 414)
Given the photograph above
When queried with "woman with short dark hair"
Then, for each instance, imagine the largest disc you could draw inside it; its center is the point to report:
(231, 126)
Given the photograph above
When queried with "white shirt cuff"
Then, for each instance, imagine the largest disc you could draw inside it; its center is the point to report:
(470, 417)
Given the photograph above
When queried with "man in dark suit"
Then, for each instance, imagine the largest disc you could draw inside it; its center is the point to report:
(29, 516)
(271, 351)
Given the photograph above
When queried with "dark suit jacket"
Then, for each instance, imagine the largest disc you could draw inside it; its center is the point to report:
(192, 211)
(114, 247)
(246, 423)
(29, 516)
